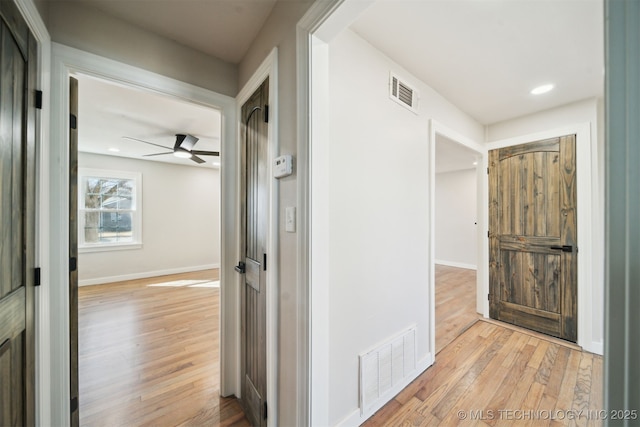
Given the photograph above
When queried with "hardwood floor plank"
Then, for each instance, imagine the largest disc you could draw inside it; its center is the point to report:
(497, 375)
(149, 354)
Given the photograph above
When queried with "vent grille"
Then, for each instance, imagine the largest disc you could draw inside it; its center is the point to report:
(403, 93)
(385, 367)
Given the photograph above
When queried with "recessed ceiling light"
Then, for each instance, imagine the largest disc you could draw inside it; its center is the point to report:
(475, 163)
(114, 150)
(541, 89)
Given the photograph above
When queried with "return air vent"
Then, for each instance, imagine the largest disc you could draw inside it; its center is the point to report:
(384, 368)
(403, 93)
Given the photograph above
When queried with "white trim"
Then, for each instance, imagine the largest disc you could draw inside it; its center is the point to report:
(356, 418)
(30, 14)
(586, 188)
(145, 274)
(323, 21)
(268, 69)
(483, 200)
(456, 264)
(65, 61)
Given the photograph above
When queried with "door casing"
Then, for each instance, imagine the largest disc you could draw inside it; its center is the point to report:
(66, 61)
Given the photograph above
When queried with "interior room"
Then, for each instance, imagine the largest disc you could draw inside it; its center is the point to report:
(149, 255)
(356, 96)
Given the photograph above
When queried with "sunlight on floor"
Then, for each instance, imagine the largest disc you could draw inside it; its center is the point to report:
(189, 284)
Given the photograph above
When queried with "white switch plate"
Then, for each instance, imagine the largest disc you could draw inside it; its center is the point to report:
(290, 219)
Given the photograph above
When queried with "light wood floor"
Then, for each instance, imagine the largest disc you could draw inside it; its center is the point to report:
(455, 303)
(148, 355)
(492, 374)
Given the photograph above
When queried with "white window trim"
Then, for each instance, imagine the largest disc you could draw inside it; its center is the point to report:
(136, 213)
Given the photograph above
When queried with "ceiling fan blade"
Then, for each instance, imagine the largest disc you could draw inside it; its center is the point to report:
(205, 153)
(146, 142)
(157, 154)
(197, 159)
(185, 141)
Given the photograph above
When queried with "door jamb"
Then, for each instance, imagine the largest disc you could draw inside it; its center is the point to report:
(66, 60)
(482, 275)
(268, 69)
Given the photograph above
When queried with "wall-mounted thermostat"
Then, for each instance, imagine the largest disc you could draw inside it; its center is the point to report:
(283, 166)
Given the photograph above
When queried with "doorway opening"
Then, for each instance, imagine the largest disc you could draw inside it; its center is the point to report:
(455, 238)
(149, 243)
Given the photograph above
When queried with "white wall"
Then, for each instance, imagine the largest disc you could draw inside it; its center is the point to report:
(590, 113)
(77, 25)
(180, 222)
(456, 217)
(378, 207)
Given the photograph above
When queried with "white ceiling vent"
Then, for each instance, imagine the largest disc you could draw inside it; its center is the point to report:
(403, 93)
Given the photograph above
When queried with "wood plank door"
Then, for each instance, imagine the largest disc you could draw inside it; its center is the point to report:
(17, 218)
(532, 236)
(73, 251)
(254, 211)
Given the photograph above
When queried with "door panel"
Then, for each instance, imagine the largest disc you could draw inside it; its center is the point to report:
(17, 218)
(254, 190)
(73, 250)
(533, 252)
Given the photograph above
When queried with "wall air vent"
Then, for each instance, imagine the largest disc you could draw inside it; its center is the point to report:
(384, 370)
(403, 93)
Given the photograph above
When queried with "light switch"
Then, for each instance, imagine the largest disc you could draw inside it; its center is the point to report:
(290, 219)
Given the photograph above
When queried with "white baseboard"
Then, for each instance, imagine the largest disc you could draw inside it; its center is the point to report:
(356, 419)
(145, 274)
(456, 264)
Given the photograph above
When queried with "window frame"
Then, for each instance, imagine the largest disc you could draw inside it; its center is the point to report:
(136, 210)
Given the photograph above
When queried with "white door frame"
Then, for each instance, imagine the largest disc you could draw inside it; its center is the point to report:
(482, 249)
(268, 69)
(66, 60)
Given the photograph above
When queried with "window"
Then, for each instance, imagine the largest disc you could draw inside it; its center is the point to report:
(108, 210)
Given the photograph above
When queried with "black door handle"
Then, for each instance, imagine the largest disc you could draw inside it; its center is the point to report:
(240, 267)
(564, 248)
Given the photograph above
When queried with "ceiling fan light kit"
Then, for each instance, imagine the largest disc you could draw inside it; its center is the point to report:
(182, 148)
(183, 154)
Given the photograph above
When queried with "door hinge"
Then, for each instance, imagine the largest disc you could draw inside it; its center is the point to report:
(36, 276)
(73, 122)
(74, 404)
(487, 171)
(38, 99)
(264, 262)
(488, 233)
(489, 297)
(266, 114)
(264, 411)
(73, 264)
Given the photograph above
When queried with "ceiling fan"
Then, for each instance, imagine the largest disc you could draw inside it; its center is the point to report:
(183, 148)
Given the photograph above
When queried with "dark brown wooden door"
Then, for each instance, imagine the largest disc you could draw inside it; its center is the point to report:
(73, 250)
(17, 218)
(532, 236)
(254, 190)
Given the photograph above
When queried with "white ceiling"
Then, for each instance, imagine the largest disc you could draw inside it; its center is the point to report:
(451, 156)
(486, 55)
(482, 55)
(108, 111)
